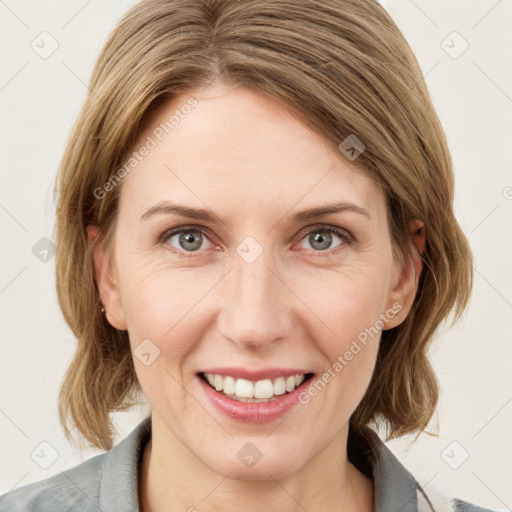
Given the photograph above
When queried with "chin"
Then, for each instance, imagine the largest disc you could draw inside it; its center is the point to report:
(246, 462)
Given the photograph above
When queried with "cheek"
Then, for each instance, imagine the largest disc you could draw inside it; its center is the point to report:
(163, 304)
(161, 308)
(346, 324)
(347, 300)
(348, 336)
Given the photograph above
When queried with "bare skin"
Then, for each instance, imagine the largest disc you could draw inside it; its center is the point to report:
(253, 164)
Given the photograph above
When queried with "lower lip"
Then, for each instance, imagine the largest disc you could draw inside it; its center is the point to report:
(255, 412)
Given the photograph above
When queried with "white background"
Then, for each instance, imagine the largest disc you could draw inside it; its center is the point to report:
(39, 101)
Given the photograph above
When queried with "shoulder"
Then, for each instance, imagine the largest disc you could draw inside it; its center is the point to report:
(434, 501)
(106, 482)
(395, 487)
(73, 489)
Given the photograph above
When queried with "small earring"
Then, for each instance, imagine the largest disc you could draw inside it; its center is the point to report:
(102, 310)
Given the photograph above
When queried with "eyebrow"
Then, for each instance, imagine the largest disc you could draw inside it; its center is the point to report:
(209, 216)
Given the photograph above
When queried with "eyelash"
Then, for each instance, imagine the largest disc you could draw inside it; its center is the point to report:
(345, 236)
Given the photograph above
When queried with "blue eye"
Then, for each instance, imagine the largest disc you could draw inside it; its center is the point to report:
(190, 239)
(323, 238)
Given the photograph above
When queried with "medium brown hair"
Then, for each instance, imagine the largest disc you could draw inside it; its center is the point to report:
(345, 69)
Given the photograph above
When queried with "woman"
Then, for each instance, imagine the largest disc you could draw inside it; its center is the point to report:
(255, 233)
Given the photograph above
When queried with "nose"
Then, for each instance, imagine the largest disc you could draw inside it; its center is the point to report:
(256, 303)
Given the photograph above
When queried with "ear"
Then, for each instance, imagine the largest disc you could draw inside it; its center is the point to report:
(405, 280)
(104, 272)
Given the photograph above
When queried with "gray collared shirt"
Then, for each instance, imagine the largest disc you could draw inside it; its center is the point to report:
(109, 482)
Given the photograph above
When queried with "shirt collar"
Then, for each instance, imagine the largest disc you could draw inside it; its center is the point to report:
(119, 482)
(395, 488)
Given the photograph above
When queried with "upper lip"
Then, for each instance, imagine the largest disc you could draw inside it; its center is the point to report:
(255, 375)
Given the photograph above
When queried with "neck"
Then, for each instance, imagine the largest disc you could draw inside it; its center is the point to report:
(171, 478)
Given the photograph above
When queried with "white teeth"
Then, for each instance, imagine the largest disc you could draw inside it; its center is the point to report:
(218, 382)
(229, 385)
(279, 386)
(249, 391)
(290, 383)
(244, 388)
(211, 378)
(263, 389)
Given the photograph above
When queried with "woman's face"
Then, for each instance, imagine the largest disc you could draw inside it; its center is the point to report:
(260, 289)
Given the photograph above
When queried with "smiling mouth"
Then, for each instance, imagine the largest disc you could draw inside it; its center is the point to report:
(243, 390)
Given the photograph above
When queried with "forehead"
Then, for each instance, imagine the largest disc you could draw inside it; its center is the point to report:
(237, 149)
